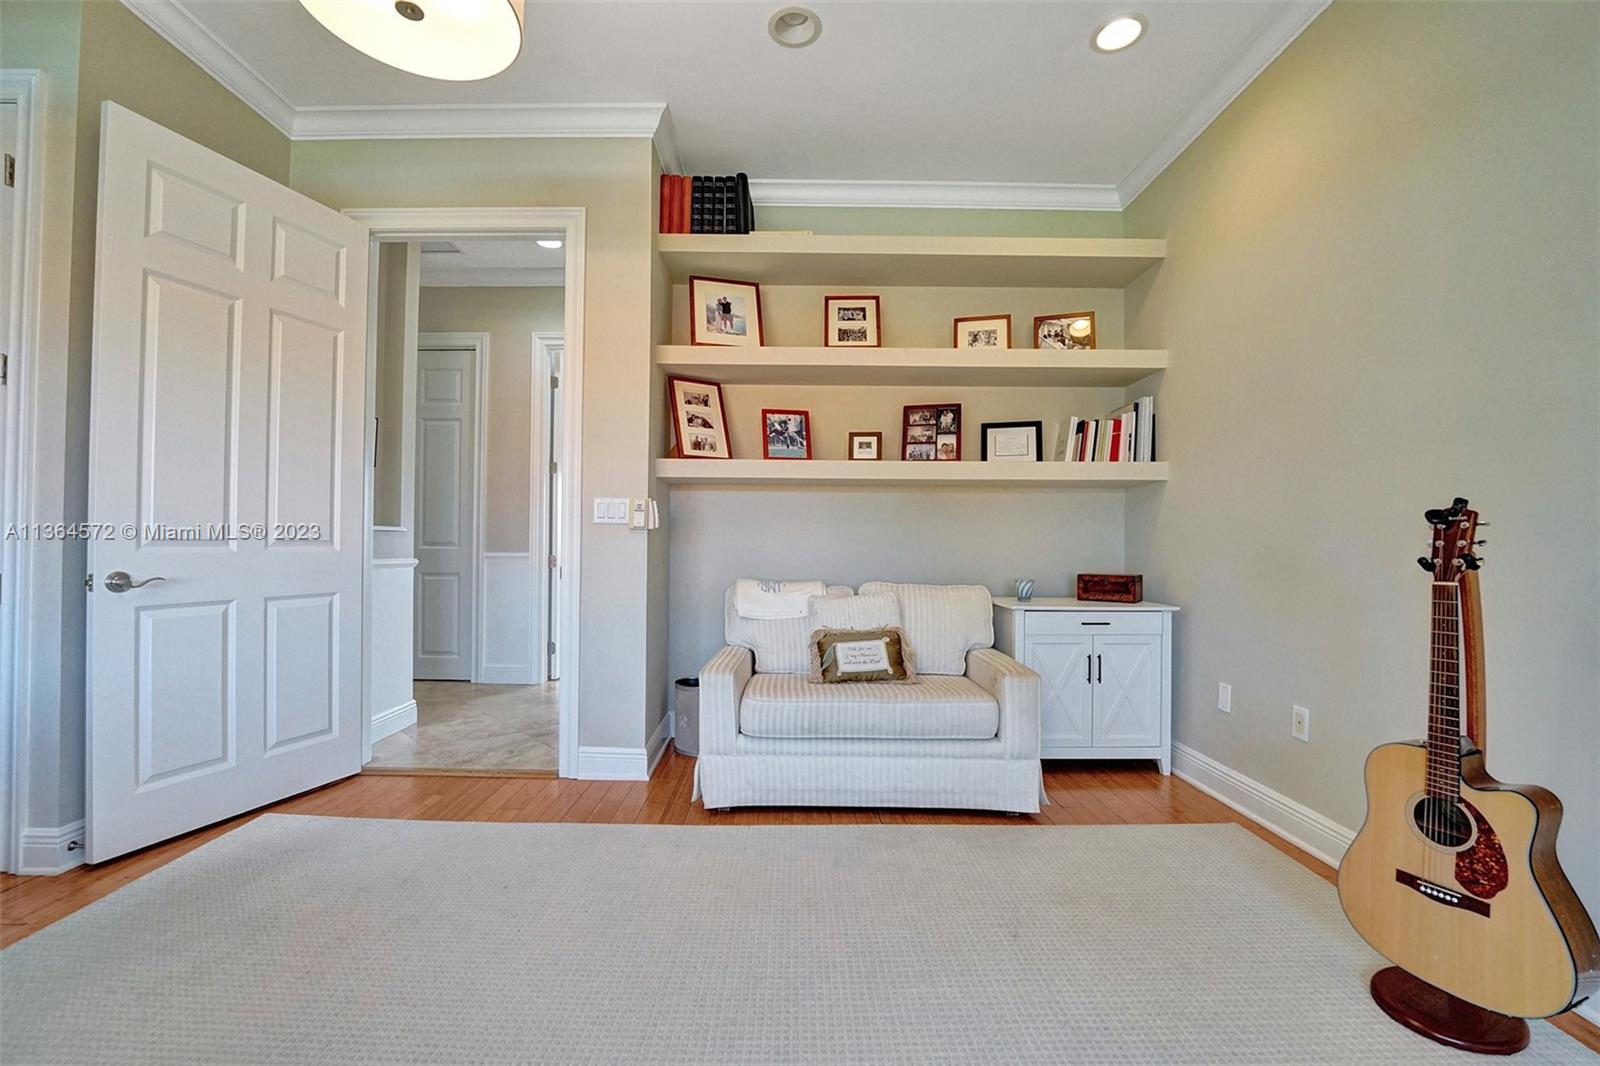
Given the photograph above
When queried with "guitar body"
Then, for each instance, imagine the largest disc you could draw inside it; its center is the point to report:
(1469, 897)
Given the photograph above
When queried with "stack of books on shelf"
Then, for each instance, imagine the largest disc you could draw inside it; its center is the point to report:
(1126, 435)
(706, 205)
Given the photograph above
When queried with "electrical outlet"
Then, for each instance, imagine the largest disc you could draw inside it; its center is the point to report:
(1300, 725)
(1224, 697)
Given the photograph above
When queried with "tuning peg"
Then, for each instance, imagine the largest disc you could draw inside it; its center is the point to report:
(1471, 562)
(1478, 542)
(1426, 564)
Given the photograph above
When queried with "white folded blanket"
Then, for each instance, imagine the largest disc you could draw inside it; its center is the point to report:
(757, 598)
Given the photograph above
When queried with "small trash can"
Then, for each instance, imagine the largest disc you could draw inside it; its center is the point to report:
(686, 713)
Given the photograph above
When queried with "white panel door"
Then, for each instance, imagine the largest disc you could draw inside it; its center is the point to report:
(1063, 662)
(227, 461)
(1127, 690)
(447, 458)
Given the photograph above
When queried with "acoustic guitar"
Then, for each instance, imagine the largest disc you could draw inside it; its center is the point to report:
(1453, 876)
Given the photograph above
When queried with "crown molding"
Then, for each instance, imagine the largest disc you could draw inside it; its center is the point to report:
(430, 121)
(1245, 66)
(1009, 196)
(180, 29)
(492, 277)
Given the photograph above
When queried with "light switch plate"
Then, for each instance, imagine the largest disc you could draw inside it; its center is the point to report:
(610, 510)
(1224, 697)
(1300, 724)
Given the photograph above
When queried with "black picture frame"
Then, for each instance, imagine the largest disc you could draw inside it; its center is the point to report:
(1038, 438)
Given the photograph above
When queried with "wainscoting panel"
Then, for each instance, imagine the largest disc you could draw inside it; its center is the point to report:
(510, 599)
(393, 707)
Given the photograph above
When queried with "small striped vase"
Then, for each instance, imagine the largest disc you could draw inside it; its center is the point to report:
(1024, 589)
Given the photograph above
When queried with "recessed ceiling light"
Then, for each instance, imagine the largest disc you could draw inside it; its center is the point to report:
(452, 40)
(1117, 33)
(548, 244)
(794, 27)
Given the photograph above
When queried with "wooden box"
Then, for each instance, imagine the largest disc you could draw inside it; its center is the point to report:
(1111, 588)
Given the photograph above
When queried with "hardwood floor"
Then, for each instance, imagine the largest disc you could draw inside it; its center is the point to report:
(1081, 793)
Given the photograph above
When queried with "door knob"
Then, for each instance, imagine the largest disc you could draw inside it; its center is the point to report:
(122, 581)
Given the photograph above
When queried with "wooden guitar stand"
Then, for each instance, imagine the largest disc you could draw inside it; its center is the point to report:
(1443, 1018)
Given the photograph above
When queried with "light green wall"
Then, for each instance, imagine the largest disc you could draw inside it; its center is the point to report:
(612, 181)
(1380, 293)
(943, 222)
(511, 316)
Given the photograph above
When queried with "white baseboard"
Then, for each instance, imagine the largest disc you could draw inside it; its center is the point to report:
(657, 746)
(1589, 1012)
(1289, 819)
(612, 764)
(388, 723)
(506, 675)
(45, 851)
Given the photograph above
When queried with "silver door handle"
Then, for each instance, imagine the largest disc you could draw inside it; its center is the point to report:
(122, 581)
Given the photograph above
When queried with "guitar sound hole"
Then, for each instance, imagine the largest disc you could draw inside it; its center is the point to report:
(1443, 822)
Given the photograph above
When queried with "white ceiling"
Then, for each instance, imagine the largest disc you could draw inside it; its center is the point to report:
(492, 262)
(977, 92)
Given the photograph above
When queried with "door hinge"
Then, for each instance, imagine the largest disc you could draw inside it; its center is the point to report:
(552, 648)
(553, 465)
(11, 171)
(555, 382)
(88, 582)
(5, 368)
(552, 562)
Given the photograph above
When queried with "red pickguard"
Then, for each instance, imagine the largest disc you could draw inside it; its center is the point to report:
(1482, 868)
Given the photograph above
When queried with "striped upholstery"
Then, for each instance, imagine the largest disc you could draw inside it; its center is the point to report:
(782, 645)
(943, 622)
(940, 708)
(854, 612)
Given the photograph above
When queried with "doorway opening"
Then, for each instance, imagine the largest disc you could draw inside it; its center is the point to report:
(472, 513)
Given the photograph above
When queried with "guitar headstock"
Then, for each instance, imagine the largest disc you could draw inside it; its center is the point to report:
(1451, 538)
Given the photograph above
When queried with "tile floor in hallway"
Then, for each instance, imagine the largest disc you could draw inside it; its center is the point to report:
(462, 726)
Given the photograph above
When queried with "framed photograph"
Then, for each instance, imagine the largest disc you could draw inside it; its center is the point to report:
(864, 445)
(931, 432)
(852, 322)
(698, 419)
(987, 331)
(785, 434)
(725, 312)
(1074, 330)
(1013, 442)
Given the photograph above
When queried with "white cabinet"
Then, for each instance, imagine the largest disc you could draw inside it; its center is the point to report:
(1106, 675)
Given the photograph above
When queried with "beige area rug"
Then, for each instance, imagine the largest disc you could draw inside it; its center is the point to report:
(328, 941)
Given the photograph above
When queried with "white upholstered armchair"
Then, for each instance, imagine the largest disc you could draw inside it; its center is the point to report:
(965, 736)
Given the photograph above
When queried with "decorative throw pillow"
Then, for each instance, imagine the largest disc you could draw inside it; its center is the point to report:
(855, 612)
(841, 655)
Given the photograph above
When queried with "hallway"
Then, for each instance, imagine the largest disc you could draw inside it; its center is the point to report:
(463, 726)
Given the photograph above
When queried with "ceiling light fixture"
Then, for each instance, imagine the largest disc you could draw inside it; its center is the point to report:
(451, 40)
(1118, 33)
(548, 244)
(794, 27)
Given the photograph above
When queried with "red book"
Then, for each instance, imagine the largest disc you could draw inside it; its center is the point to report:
(1116, 441)
(685, 202)
(664, 225)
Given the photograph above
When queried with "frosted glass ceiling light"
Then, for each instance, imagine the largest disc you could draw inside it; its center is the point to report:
(1118, 33)
(548, 243)
(452, 40)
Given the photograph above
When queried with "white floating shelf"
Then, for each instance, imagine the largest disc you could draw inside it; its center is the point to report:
(910, 366)
(847, 472)
(844, 262)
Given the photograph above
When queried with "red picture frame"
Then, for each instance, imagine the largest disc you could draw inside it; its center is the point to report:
(697, 334)
(930, 432)
(766, 434)
(681, 428)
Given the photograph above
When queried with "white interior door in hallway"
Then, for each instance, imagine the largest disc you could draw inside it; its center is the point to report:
(227, 476)
(448, 456)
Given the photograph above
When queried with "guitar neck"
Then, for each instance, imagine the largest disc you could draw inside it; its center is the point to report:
(1444, 693)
